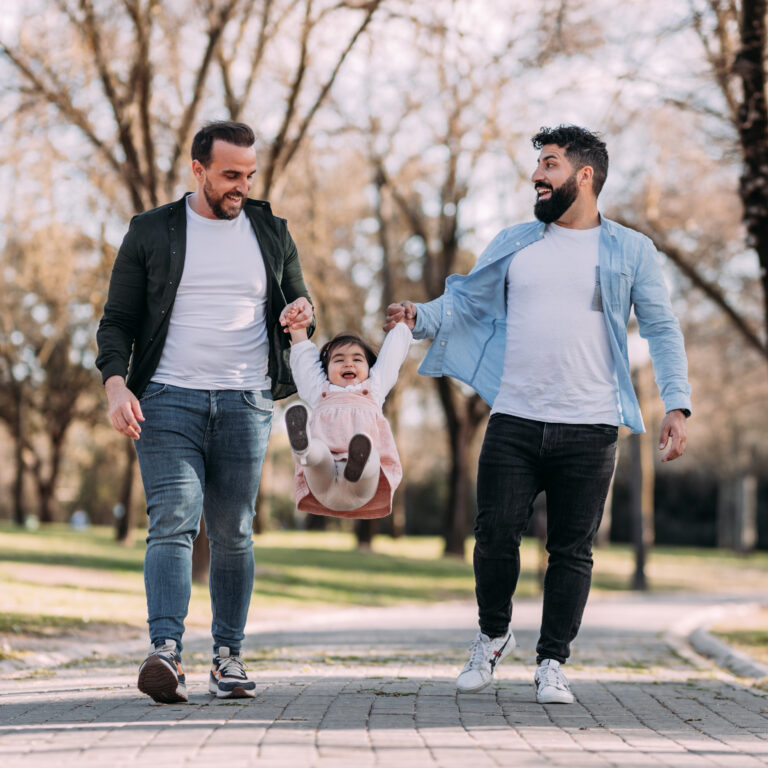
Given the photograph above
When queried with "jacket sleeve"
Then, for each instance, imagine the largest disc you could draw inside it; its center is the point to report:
(292, 284)
(659, 326)
(121, 320)
(428, 319)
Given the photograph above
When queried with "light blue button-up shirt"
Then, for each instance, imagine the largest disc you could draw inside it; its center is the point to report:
(468, 322)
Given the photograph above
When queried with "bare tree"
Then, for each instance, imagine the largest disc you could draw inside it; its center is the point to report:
(425, 148)
(134, 78)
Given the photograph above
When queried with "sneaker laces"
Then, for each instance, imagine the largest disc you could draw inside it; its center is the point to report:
(552, 676)
(479, 652)
(232, 666)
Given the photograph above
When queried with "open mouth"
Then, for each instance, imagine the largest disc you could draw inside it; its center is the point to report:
(348, 375)
(543, 192)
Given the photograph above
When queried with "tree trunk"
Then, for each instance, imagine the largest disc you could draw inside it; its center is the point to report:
(18, 484)
(365, 531)
(124, 524)
(642, 455)
(752, 125)
(463, 419)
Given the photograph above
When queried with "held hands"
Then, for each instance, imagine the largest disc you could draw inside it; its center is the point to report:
(124, 409)
(404, 312)
(673, 435)
(296, 317)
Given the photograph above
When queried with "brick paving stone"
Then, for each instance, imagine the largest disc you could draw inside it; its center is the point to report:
(385, 696)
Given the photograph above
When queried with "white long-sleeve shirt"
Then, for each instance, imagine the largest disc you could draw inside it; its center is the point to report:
(311, 379)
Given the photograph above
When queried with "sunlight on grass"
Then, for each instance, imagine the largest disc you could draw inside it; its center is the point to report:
(87, 576)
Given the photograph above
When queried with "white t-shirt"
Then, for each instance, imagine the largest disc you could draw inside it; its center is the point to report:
(557, 364)
(217, 335)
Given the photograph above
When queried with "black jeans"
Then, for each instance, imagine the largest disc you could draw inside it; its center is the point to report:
(573, 465)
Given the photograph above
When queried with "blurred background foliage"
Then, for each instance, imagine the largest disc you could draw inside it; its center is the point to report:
(394, 137)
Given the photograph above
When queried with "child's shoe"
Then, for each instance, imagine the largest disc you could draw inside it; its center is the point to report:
(359, 451)
(296, 418)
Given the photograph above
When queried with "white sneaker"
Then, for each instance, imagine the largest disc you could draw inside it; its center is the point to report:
(551, 684)
(485, 654)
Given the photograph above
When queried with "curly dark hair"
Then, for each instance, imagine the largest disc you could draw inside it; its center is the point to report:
(238, 134)
(582, 147)
(343, 340)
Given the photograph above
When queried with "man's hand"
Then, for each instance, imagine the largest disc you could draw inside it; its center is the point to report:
(124, 409)
(674, 432)
(404, 312)
(296, 315)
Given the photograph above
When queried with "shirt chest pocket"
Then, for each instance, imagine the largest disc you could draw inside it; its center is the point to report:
(621, 288)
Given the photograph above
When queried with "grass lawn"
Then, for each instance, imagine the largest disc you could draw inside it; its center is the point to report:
(56, 579)
(747, 633)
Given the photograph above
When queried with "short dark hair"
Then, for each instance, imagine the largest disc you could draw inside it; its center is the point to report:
(238, 134)
(343, 340)
(582, 147)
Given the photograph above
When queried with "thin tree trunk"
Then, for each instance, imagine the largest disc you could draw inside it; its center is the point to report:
(124, 527)
(642, 455)
(18, 484)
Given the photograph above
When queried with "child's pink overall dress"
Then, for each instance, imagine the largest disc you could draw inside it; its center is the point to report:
(336, 418)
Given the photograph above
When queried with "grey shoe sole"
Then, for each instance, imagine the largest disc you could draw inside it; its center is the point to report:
(359, 451)
(160, 683)
(296, 425)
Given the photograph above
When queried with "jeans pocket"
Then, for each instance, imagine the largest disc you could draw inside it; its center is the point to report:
(258, 400)
(153, 389)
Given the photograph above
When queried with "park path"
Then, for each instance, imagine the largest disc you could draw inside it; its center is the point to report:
(375, 687)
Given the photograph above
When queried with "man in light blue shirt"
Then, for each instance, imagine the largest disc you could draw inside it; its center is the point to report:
(539, 329)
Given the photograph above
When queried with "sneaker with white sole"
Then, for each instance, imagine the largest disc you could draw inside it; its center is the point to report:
(485, 654)
(161, 675)
(228, 679)
(551, 684)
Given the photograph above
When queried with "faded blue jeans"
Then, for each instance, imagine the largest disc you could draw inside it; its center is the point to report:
(573, 464)
(201, 452)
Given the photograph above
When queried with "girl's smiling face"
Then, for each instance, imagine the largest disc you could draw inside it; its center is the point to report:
(347, 365)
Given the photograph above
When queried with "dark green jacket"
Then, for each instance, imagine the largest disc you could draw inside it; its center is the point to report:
(145, 279)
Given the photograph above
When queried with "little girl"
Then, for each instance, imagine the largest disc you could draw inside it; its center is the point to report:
(346, 460)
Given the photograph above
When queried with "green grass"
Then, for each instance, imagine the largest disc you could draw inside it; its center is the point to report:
(55, 577)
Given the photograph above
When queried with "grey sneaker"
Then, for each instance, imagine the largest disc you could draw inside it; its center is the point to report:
(551, 684)
(485, 654)
(228, 679)
(161, 675)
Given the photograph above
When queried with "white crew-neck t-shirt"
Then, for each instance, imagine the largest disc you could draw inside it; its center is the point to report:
(557, 364)
(217, 335)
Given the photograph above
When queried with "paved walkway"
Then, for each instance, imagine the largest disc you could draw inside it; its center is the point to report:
(375, 687)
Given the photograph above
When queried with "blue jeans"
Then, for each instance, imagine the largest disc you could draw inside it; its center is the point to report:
(201, 452)
(573, 464)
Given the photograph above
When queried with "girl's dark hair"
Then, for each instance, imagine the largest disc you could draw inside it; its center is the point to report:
(343, 340)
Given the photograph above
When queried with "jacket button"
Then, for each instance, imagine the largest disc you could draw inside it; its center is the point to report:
(365, 391)
(448, 313)
(162, 311)
(442, 343)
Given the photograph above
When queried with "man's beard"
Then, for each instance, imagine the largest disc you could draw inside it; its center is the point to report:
(215, 204)
(559, 201)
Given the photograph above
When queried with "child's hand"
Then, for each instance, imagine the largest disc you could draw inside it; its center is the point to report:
(404, 312)
(297, 315)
